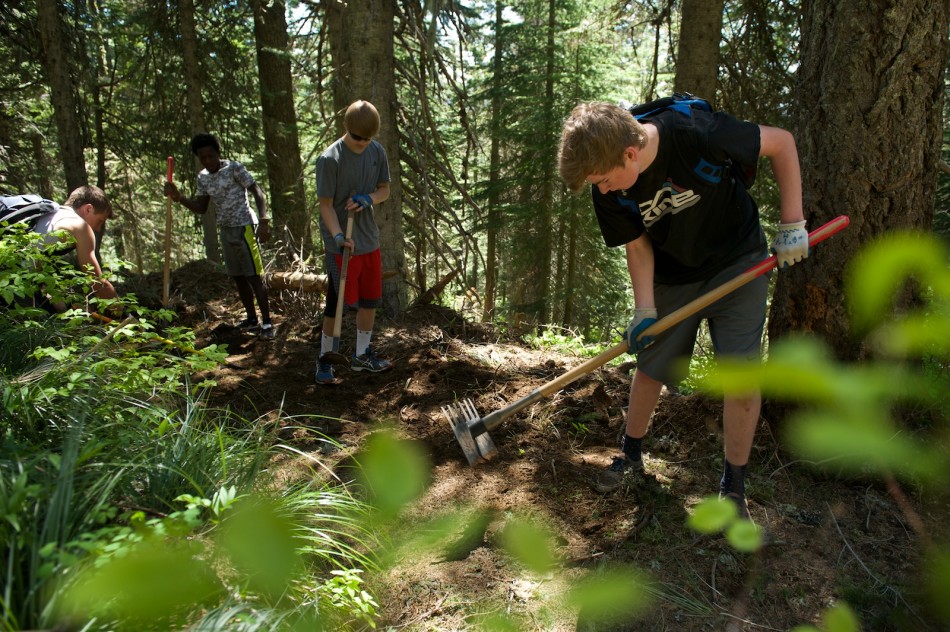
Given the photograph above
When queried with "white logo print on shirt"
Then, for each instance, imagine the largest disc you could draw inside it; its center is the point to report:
(669, 199)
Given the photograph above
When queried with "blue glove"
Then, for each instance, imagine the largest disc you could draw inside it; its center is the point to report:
(642, 318)
(364, 200)
(791, 244)
(339, 239)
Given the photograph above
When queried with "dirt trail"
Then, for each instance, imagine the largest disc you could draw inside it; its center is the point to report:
(831, 539)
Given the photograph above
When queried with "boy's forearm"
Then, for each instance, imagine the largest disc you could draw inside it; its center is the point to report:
(193, 205)
(779, 146)
(640, 265)
(381, 194)
(260, 201)
(330, 220)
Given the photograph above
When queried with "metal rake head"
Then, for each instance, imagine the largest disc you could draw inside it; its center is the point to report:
(461, 416)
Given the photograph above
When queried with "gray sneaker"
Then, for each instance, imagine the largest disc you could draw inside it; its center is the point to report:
(369, 361)
(621, 470)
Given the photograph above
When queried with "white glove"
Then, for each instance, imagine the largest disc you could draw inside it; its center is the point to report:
(791, 244)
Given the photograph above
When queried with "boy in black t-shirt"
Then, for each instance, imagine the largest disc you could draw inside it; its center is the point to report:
(670, 189)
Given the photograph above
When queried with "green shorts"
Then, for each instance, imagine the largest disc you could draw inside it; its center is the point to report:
(736, 322)
(242, 253)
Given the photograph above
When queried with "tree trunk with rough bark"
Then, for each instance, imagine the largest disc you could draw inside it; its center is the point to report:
(288, 203)
(196, 118)
(697, 61)
(361, 43)
(494, 174)
(62, 93)
(870, 96)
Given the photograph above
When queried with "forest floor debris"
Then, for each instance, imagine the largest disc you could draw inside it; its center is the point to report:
(830, 538)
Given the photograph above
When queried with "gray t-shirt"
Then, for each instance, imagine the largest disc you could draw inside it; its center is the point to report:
(341, 174)
(227, 188)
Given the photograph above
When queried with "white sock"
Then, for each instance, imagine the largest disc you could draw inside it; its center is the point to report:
(326, 343)
(362, 341)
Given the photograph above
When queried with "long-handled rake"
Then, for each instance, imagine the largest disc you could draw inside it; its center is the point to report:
(472, 430)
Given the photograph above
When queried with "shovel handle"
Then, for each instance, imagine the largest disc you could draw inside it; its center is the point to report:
(338, 319)
(673, 318)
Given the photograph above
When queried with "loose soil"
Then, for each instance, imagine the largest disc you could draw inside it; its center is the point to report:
(830, 538)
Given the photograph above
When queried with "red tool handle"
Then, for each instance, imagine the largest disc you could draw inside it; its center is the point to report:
(171, 168)
(816, 236)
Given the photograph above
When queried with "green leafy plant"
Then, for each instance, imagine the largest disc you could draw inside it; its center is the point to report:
(846, 421)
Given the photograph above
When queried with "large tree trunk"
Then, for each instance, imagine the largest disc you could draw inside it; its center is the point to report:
(62, 96)
(869, 114)
(196, 117)
(284, 170)
(361, 43)
(697, 59)
(546, 206)
(494, 174)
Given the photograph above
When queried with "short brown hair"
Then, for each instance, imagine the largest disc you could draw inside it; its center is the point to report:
(593, 140)
(362, 119)
(89, 194)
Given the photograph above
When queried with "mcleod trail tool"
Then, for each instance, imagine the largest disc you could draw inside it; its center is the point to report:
(472, 430)
(166, 277)
(334, 356)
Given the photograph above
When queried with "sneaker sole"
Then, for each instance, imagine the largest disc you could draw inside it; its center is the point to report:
(370, 369)
(331, 382)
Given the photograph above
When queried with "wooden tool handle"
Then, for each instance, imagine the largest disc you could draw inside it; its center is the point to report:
(338, 319)
(673, 318)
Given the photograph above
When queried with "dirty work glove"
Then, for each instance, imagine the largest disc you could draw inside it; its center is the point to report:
(339, 240)
(642, 318)
(791, 244)
(364, 200)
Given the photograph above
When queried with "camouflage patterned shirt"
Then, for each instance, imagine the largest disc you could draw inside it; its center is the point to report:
(227, 188)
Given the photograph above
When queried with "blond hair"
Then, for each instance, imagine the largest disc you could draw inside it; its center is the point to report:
(361, 118)
(593, 140)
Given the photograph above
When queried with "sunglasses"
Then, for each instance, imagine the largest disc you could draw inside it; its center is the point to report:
(357, 137)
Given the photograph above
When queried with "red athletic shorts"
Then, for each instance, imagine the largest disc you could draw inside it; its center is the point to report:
(364, 281)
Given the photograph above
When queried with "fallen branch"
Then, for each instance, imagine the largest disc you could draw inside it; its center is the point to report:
(430, 295)
(304, 282)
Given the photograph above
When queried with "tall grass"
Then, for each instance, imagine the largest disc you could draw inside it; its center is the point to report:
(127, 503)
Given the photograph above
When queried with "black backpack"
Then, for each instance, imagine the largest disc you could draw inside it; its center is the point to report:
(682, 102)
(24, 209)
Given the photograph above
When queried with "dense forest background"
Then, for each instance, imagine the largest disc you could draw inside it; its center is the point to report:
(472, 95)
(166, 472)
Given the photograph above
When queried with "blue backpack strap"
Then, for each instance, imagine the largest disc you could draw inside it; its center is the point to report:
(682, 102)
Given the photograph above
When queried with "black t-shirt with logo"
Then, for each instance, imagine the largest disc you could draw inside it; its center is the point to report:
(691, 200)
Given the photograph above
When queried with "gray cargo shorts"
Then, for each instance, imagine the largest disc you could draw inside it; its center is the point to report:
(240, 250)
(736, 322)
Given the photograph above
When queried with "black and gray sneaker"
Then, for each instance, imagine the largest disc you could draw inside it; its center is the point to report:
(620, 471)
(267, 332)
(369, 361)
(740, 503)
(248, 326)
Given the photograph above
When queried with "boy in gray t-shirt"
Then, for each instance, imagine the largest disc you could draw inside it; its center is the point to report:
(352, 175)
